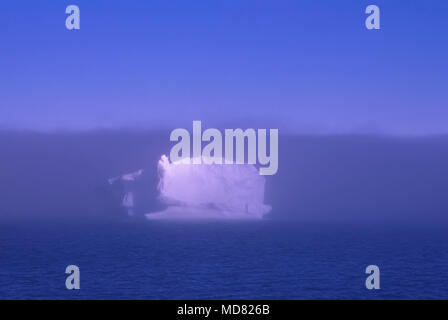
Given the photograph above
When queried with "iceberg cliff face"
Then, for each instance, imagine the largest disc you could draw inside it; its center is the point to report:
(210, 191)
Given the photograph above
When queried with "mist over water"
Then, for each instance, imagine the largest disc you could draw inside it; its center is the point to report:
(64, 176)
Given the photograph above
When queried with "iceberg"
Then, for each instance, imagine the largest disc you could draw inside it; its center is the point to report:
(209, 191)
(126, 180)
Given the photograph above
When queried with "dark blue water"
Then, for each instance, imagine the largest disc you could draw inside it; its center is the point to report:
(251, 260)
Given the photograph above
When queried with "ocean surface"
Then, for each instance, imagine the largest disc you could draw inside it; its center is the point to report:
(222, 260)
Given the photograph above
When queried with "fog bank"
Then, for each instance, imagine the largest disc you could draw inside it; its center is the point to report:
(320, 178)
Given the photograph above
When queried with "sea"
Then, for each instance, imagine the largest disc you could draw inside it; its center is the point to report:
(266, 259)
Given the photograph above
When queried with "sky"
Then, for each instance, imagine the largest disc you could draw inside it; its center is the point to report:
(301, 66)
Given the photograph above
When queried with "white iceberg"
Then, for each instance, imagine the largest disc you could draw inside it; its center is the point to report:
(210, 191)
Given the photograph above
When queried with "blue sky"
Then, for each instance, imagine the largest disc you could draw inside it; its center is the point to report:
(301, 66)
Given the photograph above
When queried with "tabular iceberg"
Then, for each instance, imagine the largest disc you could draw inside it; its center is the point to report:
(210, 191)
